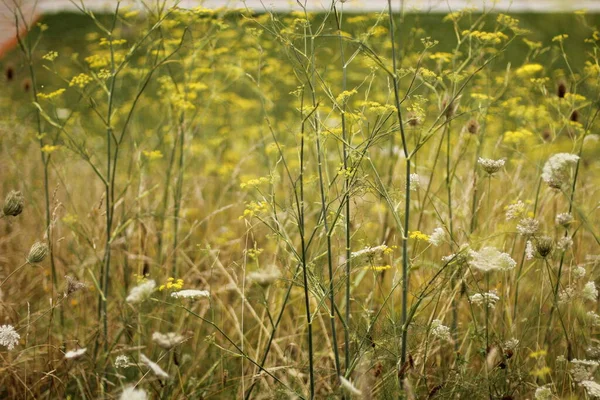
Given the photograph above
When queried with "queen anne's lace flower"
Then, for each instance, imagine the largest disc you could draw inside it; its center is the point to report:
(592, 389)
(167, 340)
(9, 337)
(440, 330)
(528, 226)
(482, 299)
(122, 361)
(543, 393)
(555, 172)
(191, 294)
(490, 259)
(141, 292)
(490, 166)
(582, 370)
(131, 393)
(529, 251)
(437, 237)
(590, 292)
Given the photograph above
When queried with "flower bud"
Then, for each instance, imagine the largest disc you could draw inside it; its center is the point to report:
(13, 204)
(544, 246)
(38, 252)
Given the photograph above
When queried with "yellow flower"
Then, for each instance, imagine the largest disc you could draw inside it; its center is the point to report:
(419, 235)
(51, 95)
(49, 149)
(80, 80)
(529, 69)
(377, 268)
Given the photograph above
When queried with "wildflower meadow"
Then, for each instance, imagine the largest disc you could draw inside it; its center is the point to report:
(220, 203)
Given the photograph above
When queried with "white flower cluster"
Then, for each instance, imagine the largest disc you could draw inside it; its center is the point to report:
(264, 277)
(490, 259)
(555, 172)
(369, 252)
(415, 182)
(141, 292)
(594, 318)
(191, 294)
(528, 226)
(9, 337)
(481, 299)
(543, 393)
(582, 370)
(437, 237)
(131, 393)
(490, 166)
(167, 340)
(122, 361)
(590, 291)
(529, 250)
(564, 219)
(440, 330)
(592, 389)
(513, 211)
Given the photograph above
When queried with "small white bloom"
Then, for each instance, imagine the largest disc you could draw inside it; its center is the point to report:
(158, 371)
(122, 361)
(490, 259)
(592, 389)
(528, 226)
(582, 370)
(167, 340)
(578, 272)
(369, 252)
(440, 331)
(511, 344)
(490, 166)
(590, 292)
(9, 337)
(543, 393)
(555, 172)
(564, 219)
(349, 387)
(565, 243)
(594, 318)
(513, 211)
(141, 292)
(437, 237)
(264, 277)
(529, 251)
(415, 182)
(566, 295)
(191, 294)
(131, 393)
(482, 299)
(73, 354)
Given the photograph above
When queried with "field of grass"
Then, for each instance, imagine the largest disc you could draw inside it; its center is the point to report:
(219, 204)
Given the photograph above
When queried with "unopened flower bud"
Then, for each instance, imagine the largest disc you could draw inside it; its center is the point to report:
(544, 246)
(13, 205)
(38, 252)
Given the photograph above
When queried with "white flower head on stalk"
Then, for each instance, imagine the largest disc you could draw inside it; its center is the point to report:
(490, 166)
(590, 292)
(191, 294)
(132, 393)
(528, 226)
(491, 259)
(141, 292)
(440, 330)
(167, 340)
(369, 254)
(555, 171)
(482, 299)
(415, 182)
(158, 371)
(74, 354)
(9, 336)
(592, 389)
(582, 370)
(122, 361)
(437, 237)
(264, 277)
(529, 250)
(543, 393)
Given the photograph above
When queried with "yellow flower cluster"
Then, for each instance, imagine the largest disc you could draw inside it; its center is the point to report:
(253, 208)
(253, 183)
(50, 56)
(51, 95)
(152, 155)
(172, 284)
(80, 80)
(345, 95)
(487, 37)
(517, 136)
(377, 268)
(49, 149)
(418, 235)
(529, 69)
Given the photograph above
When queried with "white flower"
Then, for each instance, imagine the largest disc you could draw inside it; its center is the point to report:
(529, 251)
(481, 299)
(528, 226)
(415, 182)
(511, 344)
(490, 259)
(592, 389)
(158, 371)
(131, 393)
(594, 318)
(190, 294)
(564, 219)
(437, 237)
(264, 277)
(578, 272)
(490, 166)
(167, 340)
(9, 337)
(73, 354)
(565, 243)
(590, 292)
(555, 171)
(122, 361)
(582, 370)
(369, 252)
(566, 295)
(349, 387)
(513, 211)
(543, 393)
(440, 331)
(141, 292)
